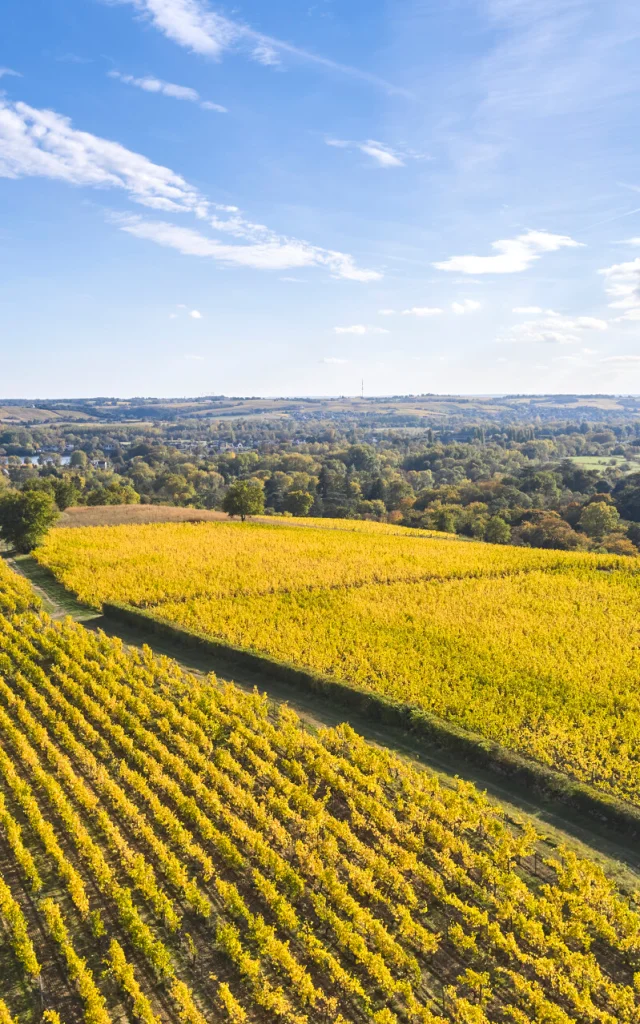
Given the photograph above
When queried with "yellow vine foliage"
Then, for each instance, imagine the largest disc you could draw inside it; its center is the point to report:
(537, 650)
(322, 878)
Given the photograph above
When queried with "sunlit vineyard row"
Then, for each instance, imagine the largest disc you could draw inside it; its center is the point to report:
(175, 850)
(146, 565)
(544, 663)
(354, 526)
(537, 650)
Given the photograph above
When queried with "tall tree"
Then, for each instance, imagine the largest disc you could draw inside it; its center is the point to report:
(25, 517)
(244, 498)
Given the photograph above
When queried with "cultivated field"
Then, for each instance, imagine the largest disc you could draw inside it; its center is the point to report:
(148, 565)
(176, 851)
(535, 649)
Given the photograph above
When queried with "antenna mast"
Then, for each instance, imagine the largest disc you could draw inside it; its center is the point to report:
(362, 389)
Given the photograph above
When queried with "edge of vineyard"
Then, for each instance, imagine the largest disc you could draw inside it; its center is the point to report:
(551, 785)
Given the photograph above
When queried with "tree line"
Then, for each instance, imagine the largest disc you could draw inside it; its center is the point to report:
(576, 487)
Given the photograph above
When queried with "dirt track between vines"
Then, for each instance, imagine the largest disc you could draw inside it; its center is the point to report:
(619, 856)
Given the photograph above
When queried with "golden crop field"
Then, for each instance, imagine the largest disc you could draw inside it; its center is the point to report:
(544, 663)
(152, 564)
(537, 650)
(173, 850)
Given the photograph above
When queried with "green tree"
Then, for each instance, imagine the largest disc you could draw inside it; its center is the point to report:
(65, 494)
(599, 518)
(25, 518)
(298, 503)
(244, 498)
(113, 494)
(497, 531)
(626, 495)
(78, 459)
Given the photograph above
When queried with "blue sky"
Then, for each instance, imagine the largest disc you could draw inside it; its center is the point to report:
(432, 195)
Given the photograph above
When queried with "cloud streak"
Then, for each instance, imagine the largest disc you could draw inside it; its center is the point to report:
(622, 284)
(513, 254)
(465, 306)
(422, 311)
(177, 92)
(41, 143)
(381, 154)
(195, 26)
(273, 254)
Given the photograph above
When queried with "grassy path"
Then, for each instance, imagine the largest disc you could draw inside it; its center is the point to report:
(618, 856)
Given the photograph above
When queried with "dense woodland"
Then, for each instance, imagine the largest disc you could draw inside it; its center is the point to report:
(567, 483)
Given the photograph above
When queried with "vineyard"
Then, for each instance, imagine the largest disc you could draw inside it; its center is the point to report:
(173, 850)
(537, 650)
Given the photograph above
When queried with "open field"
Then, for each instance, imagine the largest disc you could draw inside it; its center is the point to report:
(245, 870)
(21, 414)
(123, 515)
(117, 515)
(601, 461)
(537, 650)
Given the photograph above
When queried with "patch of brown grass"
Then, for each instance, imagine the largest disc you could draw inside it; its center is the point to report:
(115, 515)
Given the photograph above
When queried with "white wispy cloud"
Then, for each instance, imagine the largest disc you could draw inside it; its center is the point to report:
(9, 72)
(73, 58)
(622, 284)
(558, 57)
(466, 306)
(276, 254)
(194, 25)
(380, 153)
(265, 53)
(360, 329)
(629, 360)
(42, 143)
(514, 254)
(556, 329)
(526, 310)
(422, 311)
(194, 313)
(334, 359)
(177, 92)
(196, 358)
(386, 312)
(191, 24)
(591, 323)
